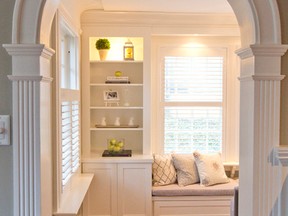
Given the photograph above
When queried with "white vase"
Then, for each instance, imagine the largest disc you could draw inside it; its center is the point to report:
(103, 54)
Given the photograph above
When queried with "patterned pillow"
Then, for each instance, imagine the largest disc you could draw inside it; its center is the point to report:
(186, 169)
(163, 170)
(210, 168)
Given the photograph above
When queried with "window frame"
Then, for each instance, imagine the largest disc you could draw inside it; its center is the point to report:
(69, 92)
(63, 24)
(231, 115)
(191, 52)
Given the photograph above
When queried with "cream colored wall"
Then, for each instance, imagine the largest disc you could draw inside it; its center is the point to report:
(6, 155)
(283, 5)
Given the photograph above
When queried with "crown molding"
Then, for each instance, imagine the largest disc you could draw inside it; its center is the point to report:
(96, 17)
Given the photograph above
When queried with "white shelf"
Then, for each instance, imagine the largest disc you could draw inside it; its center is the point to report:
(116, 61)
(116, 84)
(115, 108)
(116, 129)
(132, 95)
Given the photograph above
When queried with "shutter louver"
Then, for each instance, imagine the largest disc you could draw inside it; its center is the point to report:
(70, 139)
(193, 79)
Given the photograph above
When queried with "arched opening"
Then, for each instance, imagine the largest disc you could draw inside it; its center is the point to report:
(260, 36)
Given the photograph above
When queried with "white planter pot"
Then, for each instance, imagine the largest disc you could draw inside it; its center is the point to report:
(103, 54)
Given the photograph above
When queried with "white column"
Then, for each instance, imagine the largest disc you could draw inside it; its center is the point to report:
(260, 182)
(30, 150)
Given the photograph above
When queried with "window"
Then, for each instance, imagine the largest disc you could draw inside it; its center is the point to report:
(69, 104)
(192, 100)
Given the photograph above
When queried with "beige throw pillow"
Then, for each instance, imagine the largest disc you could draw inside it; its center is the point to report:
(210, 168)
(163, 170)
(186, 169)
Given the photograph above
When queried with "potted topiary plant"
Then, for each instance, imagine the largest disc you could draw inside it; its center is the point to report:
(102, 45)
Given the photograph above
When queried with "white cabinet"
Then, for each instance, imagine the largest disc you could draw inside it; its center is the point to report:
(120, 187)
(102, 195)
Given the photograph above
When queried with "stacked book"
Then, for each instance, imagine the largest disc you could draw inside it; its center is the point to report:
(117, 80)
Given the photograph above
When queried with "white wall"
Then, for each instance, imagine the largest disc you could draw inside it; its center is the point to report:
(6, 156)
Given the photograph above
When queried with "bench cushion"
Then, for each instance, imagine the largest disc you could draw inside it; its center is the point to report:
(226, 189)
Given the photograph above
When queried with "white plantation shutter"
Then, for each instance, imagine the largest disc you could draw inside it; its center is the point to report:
(192, 98)
(70, 139)
(193, 79)
(75, 136)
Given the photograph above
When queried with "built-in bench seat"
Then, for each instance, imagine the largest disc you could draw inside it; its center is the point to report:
(193, 200)
(195, 190)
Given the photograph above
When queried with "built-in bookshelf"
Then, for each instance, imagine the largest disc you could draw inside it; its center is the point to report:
(115, 102)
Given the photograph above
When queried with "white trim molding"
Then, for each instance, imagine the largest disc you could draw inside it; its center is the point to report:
(260, 82)
(30, 113)
(26, 151)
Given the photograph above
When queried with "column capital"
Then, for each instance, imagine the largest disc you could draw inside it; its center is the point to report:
(29, 50)
(30, 59)
(268, 50)
(30, 78)
(262, 78)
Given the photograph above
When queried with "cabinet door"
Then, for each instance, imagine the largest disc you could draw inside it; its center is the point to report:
(102, 195)
(134, 189)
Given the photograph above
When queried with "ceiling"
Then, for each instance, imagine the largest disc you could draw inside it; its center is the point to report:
(186, 6)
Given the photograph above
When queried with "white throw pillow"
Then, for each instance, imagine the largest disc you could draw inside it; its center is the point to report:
(210, 168)
(186, 169)
(163, 170)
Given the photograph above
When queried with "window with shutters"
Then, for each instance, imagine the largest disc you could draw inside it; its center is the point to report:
(192, 99)
(69, 104)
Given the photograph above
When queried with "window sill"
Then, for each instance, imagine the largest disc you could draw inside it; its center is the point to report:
(74, 195)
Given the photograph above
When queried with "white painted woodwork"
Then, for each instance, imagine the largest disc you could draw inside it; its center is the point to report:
(108, 24)
(161, 23)
(192, 205)
(93, 108)
(259, 131)
(74, 195)
(102, 195)
(134, 189)
(131, 93)
(121, 186)
(31, 144)
(259, 23)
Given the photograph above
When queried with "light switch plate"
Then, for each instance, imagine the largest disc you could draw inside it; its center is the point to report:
(4, 130)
